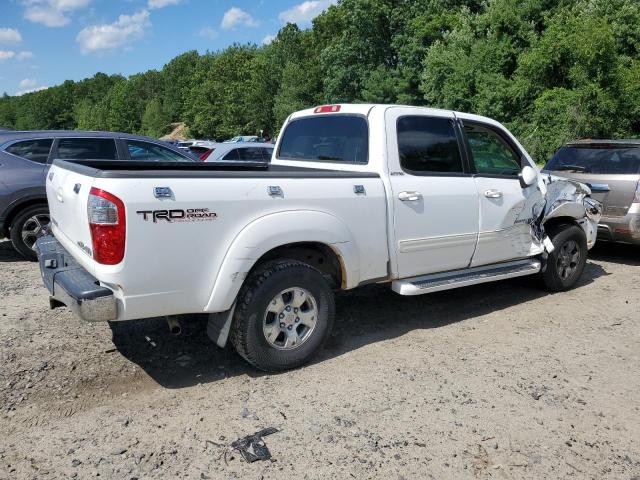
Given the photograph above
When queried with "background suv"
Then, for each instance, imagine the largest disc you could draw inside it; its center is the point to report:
(612, 169)
(24, 161)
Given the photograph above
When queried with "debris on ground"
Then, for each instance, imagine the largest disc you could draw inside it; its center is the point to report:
(252, 447)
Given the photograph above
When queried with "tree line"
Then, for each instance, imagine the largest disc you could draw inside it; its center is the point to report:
(550, 70)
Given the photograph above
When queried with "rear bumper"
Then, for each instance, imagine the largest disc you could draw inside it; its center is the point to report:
(71, 285)
(621, 229)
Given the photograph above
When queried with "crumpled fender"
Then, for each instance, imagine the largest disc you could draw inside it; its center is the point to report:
(570, 198)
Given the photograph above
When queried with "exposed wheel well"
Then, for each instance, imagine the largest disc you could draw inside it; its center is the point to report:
(16, 209)
(553, 224)
(318, 255)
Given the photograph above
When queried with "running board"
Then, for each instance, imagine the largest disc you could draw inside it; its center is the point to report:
(462, 278)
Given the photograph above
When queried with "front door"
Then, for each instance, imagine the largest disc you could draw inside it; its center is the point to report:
(435, 200)
(506, 208)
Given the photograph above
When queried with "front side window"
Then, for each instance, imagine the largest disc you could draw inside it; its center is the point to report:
(331, 138)
(491, 154)
(428, 145)
(150, 152)
(34, 150)
(87, 149)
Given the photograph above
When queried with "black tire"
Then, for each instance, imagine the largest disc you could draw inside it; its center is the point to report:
(22, 245)
(261, 288)
(563, 267)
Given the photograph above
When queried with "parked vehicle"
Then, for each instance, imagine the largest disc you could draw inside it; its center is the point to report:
(25, 158)
(611, 168)
(201, 149)
(421, 199)
(184, 145)
(235, 152)
(243, 139)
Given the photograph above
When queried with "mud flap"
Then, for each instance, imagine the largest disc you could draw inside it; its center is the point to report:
(219, 325)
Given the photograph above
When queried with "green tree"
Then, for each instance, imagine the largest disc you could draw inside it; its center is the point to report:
(155, 121)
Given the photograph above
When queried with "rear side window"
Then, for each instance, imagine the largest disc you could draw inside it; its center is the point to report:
(87, 148)
(232, 155)
(252, 154)
(34, 150)
(150, 152)
(491, 154)
(605, 161)
(331, 138)
(428, 145)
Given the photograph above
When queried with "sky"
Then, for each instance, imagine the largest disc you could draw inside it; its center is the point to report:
(44, 42)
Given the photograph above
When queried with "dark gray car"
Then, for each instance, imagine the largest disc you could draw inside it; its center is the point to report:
(24, 161)
(611, 168)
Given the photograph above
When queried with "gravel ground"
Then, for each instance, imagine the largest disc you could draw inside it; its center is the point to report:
(494, 381)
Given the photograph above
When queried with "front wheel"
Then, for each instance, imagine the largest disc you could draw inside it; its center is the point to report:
(566, 263)
(283, 315)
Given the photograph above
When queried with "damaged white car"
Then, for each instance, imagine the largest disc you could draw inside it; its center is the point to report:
(417, 198)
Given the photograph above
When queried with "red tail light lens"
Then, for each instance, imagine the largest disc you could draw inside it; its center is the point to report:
(327, 109)
(108, 226)
(206, 154)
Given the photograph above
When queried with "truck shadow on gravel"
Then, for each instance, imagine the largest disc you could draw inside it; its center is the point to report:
(8, 253)
(616, 253)
(364, 316)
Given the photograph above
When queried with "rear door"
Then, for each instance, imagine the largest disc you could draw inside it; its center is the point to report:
(435, 201)
(506, 208)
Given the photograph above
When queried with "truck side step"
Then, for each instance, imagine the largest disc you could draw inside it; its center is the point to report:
(467, 276)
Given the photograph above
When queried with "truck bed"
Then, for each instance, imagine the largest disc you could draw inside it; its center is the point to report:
(196, 263)
(128, 169)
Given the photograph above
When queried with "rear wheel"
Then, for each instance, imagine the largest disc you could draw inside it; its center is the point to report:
(27, 227)
(283, 315)
(566, 263)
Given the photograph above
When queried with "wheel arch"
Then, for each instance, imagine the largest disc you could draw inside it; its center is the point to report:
(19, 205)
(296, 235)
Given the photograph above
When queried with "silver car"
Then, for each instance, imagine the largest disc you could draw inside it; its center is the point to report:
(239, 152)
(611, 168)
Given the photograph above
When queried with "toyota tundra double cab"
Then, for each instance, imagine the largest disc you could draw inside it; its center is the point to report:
(417, 198)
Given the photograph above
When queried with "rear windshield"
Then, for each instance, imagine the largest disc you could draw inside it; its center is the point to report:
(331, 138)
(608, 161)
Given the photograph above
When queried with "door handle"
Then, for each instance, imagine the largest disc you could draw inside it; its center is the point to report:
(409, 196)
(493, 193)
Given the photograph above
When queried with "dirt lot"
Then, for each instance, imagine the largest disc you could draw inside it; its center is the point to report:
(500, 381)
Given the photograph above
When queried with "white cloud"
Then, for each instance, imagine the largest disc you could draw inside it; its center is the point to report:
(51, 13)
(268, 39)
(236, 16)
(27, 83)
(162, 3)
(10, 35)
(208, 32)
(6, 55)
(25, 55)
(306, 11)
(126, 29)
(30, 90)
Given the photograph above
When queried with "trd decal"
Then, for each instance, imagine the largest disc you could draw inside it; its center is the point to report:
(171, 216)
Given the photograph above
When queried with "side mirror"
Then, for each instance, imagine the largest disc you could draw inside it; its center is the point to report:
(527, 176)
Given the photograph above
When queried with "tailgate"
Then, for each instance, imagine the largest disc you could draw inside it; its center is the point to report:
(67, 194)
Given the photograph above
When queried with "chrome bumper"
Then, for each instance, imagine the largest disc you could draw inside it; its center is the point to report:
(71, 285)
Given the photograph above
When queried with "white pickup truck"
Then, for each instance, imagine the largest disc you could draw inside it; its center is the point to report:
(418, 198)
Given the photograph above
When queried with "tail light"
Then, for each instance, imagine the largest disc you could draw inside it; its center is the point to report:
(108, 226)
(206, 154)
